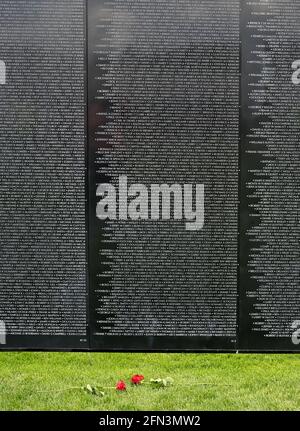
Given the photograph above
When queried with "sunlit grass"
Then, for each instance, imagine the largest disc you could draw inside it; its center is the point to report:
(44, 381)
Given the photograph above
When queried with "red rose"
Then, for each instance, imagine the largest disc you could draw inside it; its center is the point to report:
(137, 379)
(121, 386)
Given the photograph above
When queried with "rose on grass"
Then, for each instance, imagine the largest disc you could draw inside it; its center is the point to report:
(137, 379)
(121, 385)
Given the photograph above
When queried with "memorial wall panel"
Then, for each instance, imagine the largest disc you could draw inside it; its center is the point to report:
(163, 112)
(42, 170)
(270, 163)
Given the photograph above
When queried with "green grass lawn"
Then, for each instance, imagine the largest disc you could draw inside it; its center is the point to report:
(44, 381)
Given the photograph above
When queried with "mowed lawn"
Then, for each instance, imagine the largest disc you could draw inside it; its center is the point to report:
(52, 381)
